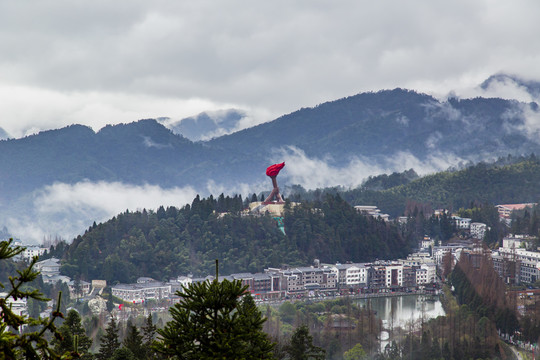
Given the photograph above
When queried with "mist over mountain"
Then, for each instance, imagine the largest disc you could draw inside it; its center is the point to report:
(380, 125)
(530, 86)
(207, 125)
(69, 177)
(3, 134)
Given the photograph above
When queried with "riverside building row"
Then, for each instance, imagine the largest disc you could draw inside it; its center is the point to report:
(279, 283)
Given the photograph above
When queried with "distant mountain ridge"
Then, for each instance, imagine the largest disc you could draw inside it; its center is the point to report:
(375, 127)
(132, 153)
(380, 124)
(370, 125)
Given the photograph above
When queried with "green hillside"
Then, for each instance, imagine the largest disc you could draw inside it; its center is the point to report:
(172, 242)
(482, 184)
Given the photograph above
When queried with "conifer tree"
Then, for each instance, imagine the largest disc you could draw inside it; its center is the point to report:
(134, 341)
(109, 341)
(301, 346)
(149, 331)
(123, 354)
(73, 333)
(213, 321)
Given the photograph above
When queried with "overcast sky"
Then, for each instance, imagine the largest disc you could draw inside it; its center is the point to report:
(104, 62)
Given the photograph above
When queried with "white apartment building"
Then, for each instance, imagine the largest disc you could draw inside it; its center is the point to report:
(356, 275)
(440, 251)
(421, 276)
(417, 258)
(431, 271)
(462, 223)
(514, 242)
(478, 230)
(141, 292)
(19, 306)
(31, 251)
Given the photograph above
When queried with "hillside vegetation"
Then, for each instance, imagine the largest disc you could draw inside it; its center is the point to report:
(172, 242)
(479, 184)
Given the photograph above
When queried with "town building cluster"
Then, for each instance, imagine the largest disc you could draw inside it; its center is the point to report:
(286, 282)
(516, 262)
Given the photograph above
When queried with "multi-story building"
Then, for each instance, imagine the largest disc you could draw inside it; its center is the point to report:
(377, 276)
(507, 267)
(49, 267)
(421, 276)
(394, 275)
(440, 251)
(462, 223)
(431, 272)
(478, 230)
(506, 210)
(356, 276)
(144, 290)
(341, 274)
(351, 275)
(528, 271)
(33, 250)
(409, 275)
(516, 265)
(79, 288)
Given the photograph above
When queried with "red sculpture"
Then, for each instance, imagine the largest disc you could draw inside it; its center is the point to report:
(273, 171)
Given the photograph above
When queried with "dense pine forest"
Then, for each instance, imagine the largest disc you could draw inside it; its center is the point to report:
(172, 241)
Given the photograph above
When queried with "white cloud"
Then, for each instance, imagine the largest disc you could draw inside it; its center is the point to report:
(66, 210)
(314, 173)
(103, 62)
(507, 89)
(403, 120)
(148, 142)
(433, 139)
(529, 124)
(37, 109)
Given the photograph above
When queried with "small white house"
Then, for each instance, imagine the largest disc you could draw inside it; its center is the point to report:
(478, 230)
(462, 223)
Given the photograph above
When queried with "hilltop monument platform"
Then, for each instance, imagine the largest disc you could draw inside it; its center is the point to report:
(274, 209)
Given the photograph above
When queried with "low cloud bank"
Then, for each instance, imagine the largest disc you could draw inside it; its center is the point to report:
(314, 173)
(66, 210)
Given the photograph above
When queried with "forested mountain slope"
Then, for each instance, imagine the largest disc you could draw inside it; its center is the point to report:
(373, 131)
(172, 242)
(372, 126)
(482, 183)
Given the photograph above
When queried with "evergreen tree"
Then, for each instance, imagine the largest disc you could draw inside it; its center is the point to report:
(149, 331)
(134, 341)
(109, 341)
(73, 333)
(301, 346)
(212, 321)
(110, 302)
(123, 354)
